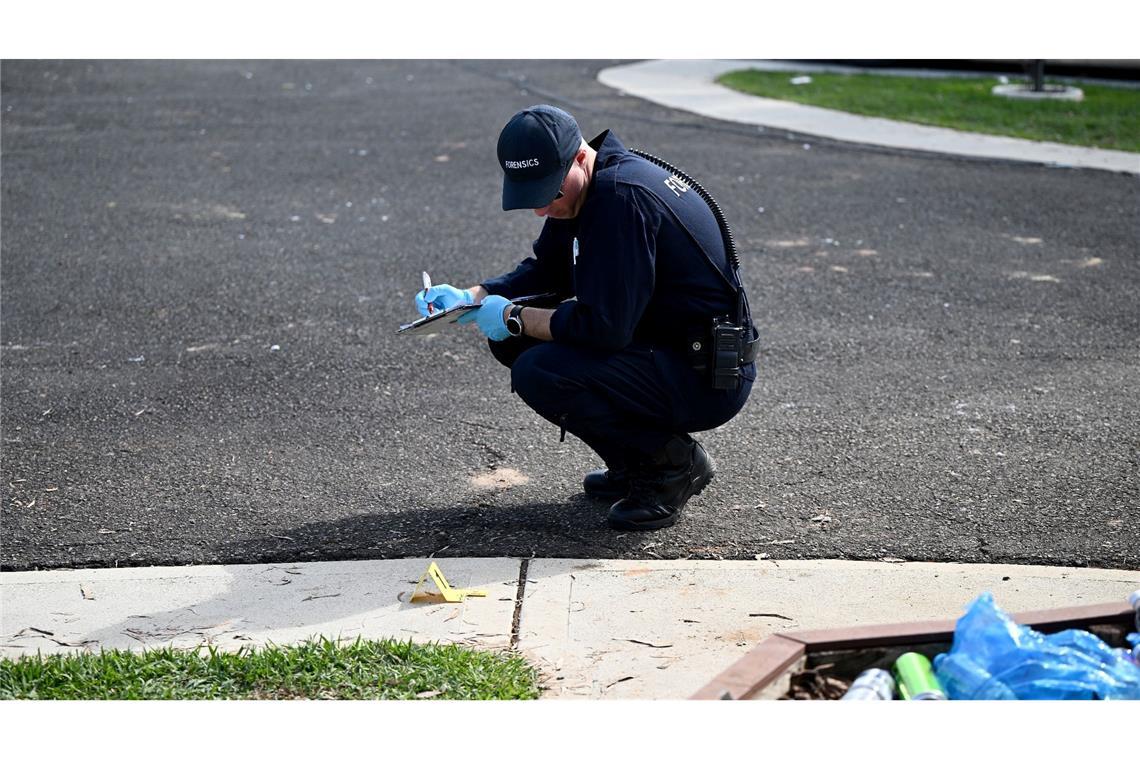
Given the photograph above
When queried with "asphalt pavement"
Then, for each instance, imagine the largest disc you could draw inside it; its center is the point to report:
(204, 263)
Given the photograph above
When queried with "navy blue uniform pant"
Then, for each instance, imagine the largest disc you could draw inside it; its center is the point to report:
(623, 405)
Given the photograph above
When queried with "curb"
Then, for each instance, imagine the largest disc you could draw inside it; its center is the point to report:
(689, 85)
(595, 629)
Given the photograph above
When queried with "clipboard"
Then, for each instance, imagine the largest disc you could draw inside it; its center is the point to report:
(434, 323)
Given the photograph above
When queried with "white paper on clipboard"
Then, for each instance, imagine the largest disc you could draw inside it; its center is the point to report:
(434, 323)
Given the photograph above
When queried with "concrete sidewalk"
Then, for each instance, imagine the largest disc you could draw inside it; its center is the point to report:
(596, 629)
(689, 85)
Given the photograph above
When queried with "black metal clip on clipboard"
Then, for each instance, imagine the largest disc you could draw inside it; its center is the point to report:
(436, 322)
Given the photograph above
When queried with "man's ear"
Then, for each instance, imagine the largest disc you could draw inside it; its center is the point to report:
(581, 157)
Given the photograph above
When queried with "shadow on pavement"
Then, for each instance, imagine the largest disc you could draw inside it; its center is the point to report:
(573, 528)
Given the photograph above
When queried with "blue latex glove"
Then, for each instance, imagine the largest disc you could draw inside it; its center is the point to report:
(489, 317)
(441, 297)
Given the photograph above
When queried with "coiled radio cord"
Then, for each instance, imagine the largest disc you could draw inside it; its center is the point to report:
(725, 232)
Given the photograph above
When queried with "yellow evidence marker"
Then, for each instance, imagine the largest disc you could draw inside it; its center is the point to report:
(449, 594)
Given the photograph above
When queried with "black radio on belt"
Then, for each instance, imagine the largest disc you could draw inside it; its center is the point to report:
(727, 351)
(721, 352)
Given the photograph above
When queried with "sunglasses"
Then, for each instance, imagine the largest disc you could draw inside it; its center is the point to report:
(560, 193)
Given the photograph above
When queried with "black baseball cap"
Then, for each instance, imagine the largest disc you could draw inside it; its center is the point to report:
(536, 149)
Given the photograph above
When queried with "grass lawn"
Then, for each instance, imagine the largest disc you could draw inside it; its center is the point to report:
(1108, 117)
(313, 670)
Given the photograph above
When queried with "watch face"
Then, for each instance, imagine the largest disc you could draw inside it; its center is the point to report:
(514, 323)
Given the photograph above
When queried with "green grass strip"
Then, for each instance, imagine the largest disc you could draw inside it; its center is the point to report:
(319, 669)
(1108, 117)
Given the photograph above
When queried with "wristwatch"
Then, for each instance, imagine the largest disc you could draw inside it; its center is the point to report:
(514, 321)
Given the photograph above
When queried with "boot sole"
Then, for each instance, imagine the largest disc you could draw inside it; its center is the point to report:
(695, 489)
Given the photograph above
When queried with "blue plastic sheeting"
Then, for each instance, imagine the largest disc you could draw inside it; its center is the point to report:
(994, 658)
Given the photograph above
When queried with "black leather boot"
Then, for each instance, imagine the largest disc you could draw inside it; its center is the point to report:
(610, 485)
(662, 484)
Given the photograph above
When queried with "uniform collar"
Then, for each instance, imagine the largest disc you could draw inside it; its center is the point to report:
(608, 149)
(608, 146)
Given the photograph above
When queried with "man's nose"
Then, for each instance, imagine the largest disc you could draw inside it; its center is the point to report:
(541, 212)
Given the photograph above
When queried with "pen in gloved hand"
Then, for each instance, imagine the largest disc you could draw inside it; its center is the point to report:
(427, 285)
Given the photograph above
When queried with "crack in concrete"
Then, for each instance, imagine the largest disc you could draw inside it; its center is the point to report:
(520, 593)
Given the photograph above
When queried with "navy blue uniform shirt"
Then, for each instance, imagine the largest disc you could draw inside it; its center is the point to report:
(632, 258)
